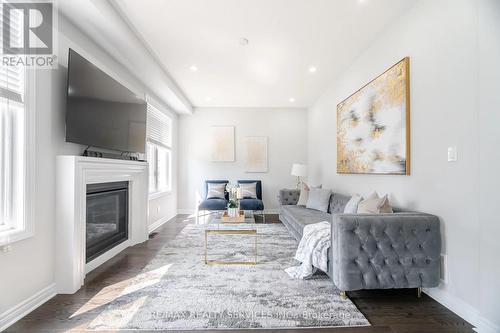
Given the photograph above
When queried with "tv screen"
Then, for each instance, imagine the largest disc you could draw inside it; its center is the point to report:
(100, 112)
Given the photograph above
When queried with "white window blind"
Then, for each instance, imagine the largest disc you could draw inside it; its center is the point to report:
(159, 127)
(12, 83)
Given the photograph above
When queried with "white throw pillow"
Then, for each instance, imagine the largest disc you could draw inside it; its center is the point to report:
(216, 190)
(248, 190)
(304, 194)
(352, 205)
(319, 199)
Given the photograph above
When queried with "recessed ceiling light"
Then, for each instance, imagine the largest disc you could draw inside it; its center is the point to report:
(291, 100)
(243, 41)
(208, 99)
(312, 69)
(193, 68)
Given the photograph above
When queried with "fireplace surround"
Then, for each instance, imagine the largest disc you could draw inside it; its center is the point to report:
(74, 175)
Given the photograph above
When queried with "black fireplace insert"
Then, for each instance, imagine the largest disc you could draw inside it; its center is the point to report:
(107, 217)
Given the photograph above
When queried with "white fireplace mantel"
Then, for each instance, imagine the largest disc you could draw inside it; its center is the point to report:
(73, 175)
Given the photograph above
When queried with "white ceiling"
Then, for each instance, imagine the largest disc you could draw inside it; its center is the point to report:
(286, 37)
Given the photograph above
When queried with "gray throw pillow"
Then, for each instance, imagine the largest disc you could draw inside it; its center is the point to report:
(216, 191)
(248, 190)
(304, 194)
(352, 205)
(319, 199)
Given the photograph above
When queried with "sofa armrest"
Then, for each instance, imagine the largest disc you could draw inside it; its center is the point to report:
(288, 197)
(400, 250)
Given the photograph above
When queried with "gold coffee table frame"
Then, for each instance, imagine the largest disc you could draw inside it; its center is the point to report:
(230, 232)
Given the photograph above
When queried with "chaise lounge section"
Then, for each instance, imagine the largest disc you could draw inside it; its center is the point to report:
(372, 251)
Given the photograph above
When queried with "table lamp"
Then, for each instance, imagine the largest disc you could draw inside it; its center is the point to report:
(299, 170)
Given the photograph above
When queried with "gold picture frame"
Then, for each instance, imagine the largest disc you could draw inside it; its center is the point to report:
(373, 125)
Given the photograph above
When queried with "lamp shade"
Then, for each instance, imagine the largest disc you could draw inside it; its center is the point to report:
(299, 170)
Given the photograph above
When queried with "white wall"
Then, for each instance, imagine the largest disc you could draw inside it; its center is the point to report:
(285, 128)
(489, 159)
(29, 267)
(440, 37)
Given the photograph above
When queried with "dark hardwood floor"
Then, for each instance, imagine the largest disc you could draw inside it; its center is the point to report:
(387, 310)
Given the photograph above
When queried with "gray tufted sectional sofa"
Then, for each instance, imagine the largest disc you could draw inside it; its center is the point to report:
(379, 251)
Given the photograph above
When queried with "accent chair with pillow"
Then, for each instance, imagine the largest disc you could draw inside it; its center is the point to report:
(251, 192)
(216, 197)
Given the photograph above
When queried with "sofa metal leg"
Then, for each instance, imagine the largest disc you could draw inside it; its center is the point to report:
(263, 217)
(419, 292)
(343, 295)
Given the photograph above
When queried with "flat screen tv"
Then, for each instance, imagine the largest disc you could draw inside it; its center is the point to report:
(100, 112)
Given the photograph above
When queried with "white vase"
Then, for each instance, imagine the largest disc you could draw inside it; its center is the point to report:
(232, 212)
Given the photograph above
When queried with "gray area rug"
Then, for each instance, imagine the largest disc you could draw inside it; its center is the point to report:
(178, 291)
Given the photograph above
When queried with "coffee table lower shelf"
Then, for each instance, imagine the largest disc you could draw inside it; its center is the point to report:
(230, 232)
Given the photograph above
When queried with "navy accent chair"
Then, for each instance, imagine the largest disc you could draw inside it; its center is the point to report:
(250, 203)
(213, 204)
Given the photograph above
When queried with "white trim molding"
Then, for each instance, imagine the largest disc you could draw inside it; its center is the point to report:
(463, 310)
(11, 316)
(483, 325)
(158, 223)
(73, 174)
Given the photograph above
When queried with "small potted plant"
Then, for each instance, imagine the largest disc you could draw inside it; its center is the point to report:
(232, 208)
(233, 205)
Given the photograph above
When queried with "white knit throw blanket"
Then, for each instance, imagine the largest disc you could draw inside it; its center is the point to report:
(312, 251)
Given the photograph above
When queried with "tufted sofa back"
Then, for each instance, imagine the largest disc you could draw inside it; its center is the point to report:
(382, 251)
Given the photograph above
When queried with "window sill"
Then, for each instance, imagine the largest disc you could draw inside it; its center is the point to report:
(157, 195)
(10, 236)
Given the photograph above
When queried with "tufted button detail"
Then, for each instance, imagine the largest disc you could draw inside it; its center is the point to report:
(420, 246)
(427, 261)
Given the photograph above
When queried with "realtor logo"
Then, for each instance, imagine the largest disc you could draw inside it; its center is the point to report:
(36, 24)
(27, 34)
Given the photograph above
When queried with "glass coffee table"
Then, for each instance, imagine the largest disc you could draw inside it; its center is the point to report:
(228, 229)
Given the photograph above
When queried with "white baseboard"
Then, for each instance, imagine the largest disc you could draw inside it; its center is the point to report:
(485, 326)
(186, 211)
(11, 316)
(158, 223)
(464, 310)
(455, 304)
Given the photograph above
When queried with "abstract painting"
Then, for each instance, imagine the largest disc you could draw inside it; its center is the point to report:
(222, 138)
(255, 153)
(373, 132)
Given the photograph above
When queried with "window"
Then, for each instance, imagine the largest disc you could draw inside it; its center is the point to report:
(16, 133)
(159, 152)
